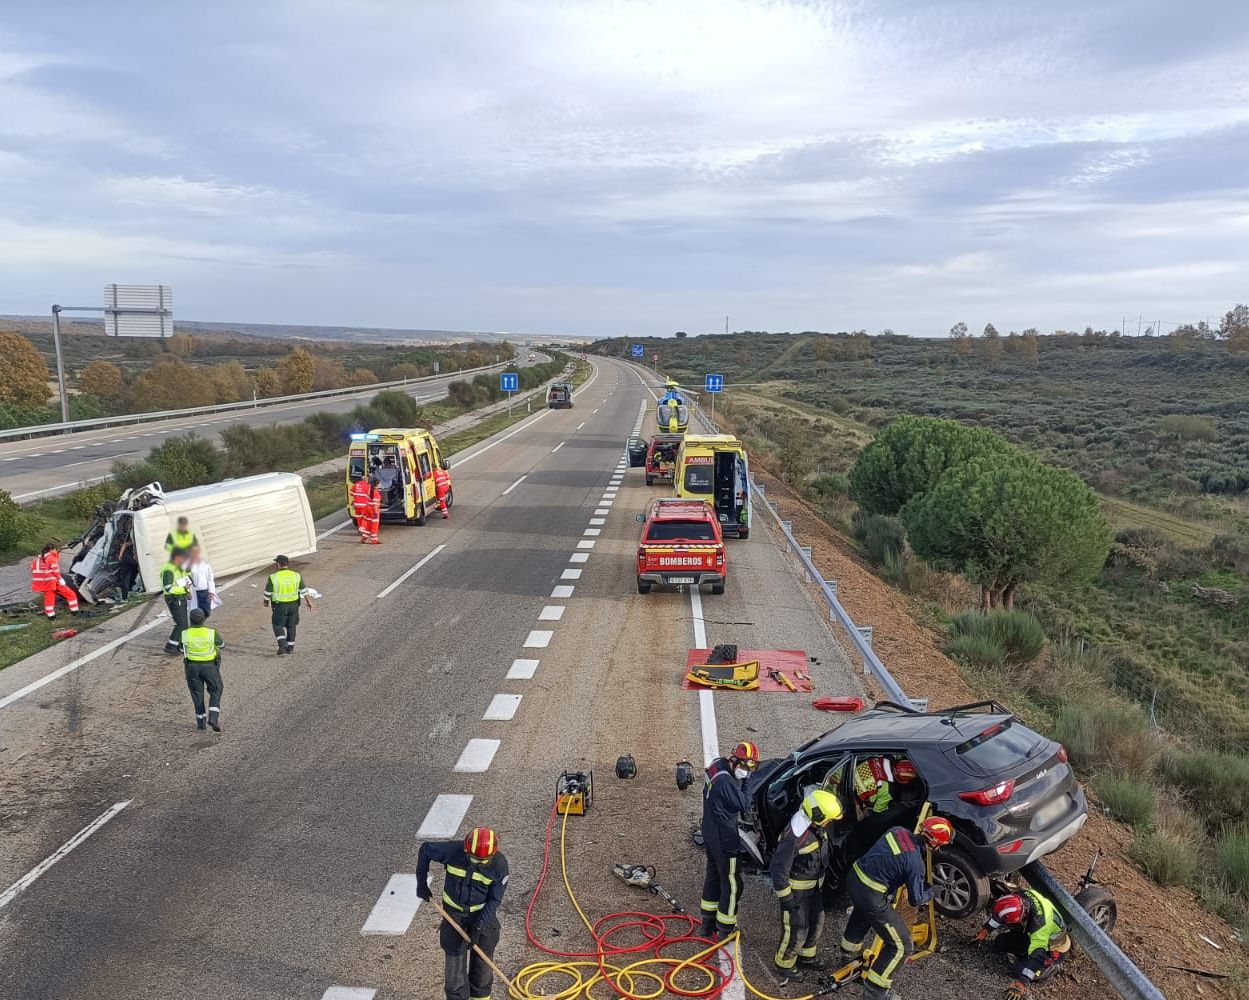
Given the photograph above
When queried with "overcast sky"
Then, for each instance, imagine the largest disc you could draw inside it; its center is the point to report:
(630, 167)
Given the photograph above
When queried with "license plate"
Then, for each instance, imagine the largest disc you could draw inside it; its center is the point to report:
(1052, 810)
(680, 579)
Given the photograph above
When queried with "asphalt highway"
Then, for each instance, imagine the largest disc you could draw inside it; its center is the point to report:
(443, 681)
(46, 466)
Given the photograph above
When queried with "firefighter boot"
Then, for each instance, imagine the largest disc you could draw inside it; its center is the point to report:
(707, 929)
(201, 722)
(214, 719)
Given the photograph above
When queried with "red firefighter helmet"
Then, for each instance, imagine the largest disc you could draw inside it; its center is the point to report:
(904, 771)
(1010, 909)
(481, 843)
(746, 754)
(937, 831)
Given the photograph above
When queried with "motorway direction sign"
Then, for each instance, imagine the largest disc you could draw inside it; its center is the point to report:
(509, 382)
(637, 350)
(713, 383)
(138, 311)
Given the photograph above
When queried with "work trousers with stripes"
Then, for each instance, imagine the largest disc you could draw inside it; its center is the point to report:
(722, 887)
(874, 911)
(467, 976)
(801, 924)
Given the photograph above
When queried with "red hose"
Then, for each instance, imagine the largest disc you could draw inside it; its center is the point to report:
(653, 929)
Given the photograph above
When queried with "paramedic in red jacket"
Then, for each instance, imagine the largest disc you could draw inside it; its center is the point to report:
(46, 579)
(442, 486)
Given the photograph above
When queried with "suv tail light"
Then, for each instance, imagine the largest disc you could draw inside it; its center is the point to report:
(719, 559)
(991, 796)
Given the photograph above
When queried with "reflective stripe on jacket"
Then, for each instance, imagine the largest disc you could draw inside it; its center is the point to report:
(179, 540)
(799, 859)
(1045, 923)
(363, 497)
(45, 572)
(174, 580)
(894, 861)
(469, 887)
(200, 645)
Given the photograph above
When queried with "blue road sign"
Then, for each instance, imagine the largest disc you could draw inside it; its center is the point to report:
(713, 383)
(509, 382)
(638, 350)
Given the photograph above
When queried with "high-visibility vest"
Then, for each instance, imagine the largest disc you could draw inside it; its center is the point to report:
(199, 644)
(284, 586)
(1052, 927)
(179, 540)
(361, 498)
(45, 572)
(176, 587)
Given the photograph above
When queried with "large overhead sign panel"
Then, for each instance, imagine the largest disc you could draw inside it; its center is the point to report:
(138, 311)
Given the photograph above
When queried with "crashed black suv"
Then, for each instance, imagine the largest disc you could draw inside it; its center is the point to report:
(1008, 791)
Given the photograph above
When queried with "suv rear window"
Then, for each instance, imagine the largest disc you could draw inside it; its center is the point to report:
(671, 531)
(1001, 746)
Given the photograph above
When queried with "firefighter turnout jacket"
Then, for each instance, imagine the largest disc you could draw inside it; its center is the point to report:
(724, 800)
(1045, 927)
(800, 858)
(472, 888)
(896, 860)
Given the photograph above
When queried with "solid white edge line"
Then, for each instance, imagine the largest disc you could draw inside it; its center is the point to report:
(477, 756)
(514, 485)
(444, 816)
(393, 912)
(27, 880)
(430, 555)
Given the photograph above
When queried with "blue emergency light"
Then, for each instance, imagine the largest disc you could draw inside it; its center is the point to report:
(365, 437)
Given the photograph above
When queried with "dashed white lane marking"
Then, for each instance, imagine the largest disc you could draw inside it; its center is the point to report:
(393, 912)
(514, 485)
(78, 447)
(29, 879)
(595, 410)
(551, 613)
(444, 816)
(563, 591)
(593, 532)
(539, 638)
(502, 707)
(576, 557)
(586, 543)
(522, 670)
(607, 499)
(349, 993)
(428, 556)
(558, 447)
(580, 425)
(601, 512)
(598, 520)
(477, 756)
(570, 574)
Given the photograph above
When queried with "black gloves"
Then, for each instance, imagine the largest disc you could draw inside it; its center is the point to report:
(422, 891)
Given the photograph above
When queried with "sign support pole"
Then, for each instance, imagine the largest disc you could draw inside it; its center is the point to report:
(60, 363)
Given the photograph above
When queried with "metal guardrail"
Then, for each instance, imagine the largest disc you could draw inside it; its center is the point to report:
(73, 426)
(1121, 972)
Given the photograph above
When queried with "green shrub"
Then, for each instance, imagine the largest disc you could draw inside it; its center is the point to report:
(1233, 854)
(333, 430)
(831, 484)
(976, 650)
(176, 464)
(879, 536)
(400, 408)
(1216, 785)
(1187, 427)
(1166, 857)
(1016, 633)
(82, 503)
(1108, 737)
(1129, 800)
(10, 521)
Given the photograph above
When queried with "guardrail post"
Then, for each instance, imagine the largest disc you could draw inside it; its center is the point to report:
(831, 585)
(775, 505)
(788, 526)
(806, 550)
(866, 632)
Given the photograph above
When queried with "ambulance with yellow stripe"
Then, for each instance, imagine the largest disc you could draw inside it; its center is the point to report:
(713, 468)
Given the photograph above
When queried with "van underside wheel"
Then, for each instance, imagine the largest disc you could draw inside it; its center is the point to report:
(743, 533)
(420, 513)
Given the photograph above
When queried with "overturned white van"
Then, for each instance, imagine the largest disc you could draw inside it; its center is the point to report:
(240, 524)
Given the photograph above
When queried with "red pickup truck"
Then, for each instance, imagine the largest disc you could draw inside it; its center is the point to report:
(661, 457)
(681, 545)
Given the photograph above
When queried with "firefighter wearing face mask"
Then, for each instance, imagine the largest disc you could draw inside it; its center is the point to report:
(798, 866)
(724, 800)
(476, 878)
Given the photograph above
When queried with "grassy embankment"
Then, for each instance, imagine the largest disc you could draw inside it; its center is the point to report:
(1146, 684)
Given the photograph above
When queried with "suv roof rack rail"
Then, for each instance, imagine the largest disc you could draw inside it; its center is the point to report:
(893, 706)
(990, 706)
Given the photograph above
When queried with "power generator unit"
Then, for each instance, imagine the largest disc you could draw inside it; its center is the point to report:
(574, 792)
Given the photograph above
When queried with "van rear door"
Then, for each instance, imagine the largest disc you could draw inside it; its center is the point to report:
(725, 484)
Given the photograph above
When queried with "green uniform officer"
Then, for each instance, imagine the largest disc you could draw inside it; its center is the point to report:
(182, 537)
(283, 593)
(201, 652)
(175, 583)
